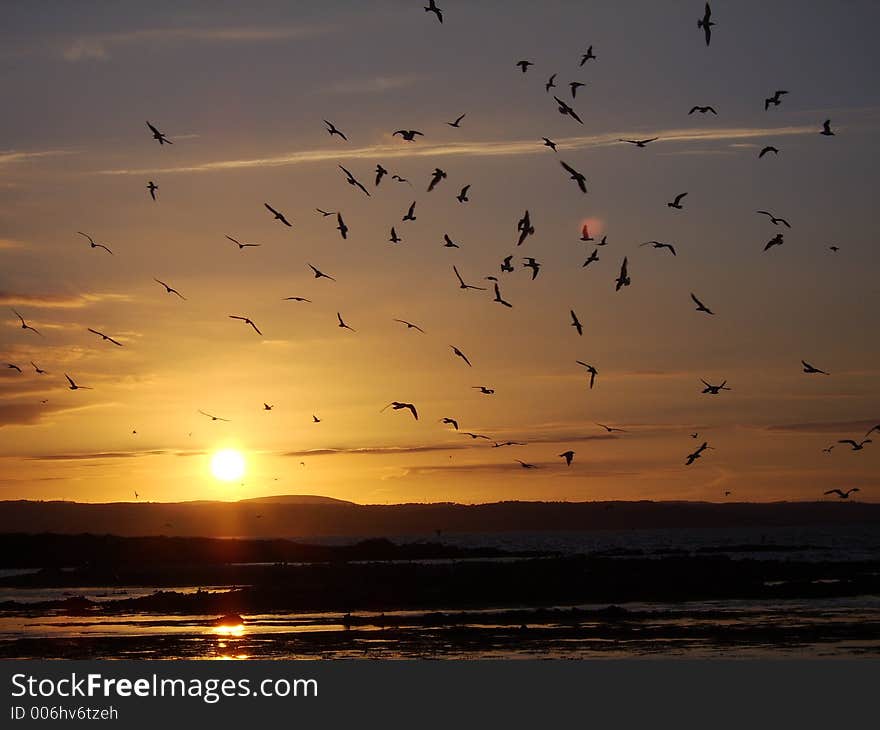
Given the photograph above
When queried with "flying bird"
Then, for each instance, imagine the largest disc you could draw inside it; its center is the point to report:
(460, 354)
(483, 389)
(500, 444)
(506, 266)
(104, 337)
(475, 436)
(677, 202)
(840, 493)
(457, 122)
(462, 197)
(706, 23)
(40, 371)
(525, 228)
(410, 214)
(241, 245)
(702, 110)
(525, 465)
(408, 135)
(811, 370)
(13, 366)
(398, 178)
(267, 407)
(325, 213)
(768, 148)
(462, 285)
(278, 216)
(25, 325)
(623, 278)
(592, 371)
(397, 405)
(773, 219)
(331, 130)
(551, 83)
(593, 257)
(169, 289)
(775, 241)
(566, 109)
(776, 99)
(549, 143)
(700, 306)
(574, 86)
(152, 187)
(296, 299)
(93, 244)
(568, 456)
(589, 55)
(246, 320)
(576, 176)
(315, 419)
(380, 173)
(341, 227)
(435, 178)
(856, 446)
(639, 142)
(342, 324)
(450, 421)
(159, 136)
(410, 325)
(524, 65)
(714, 389)
(214, 418)
(498, 297)
(394, 237)
(691, 458)
(320, 274)
(351, 180)
(576, 323)
(611, 429)
(432, 8)
(73, 385)
(658, 244)
(826, 128)
(535, 266)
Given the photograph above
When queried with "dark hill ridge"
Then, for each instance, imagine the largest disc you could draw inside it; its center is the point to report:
(266, 518)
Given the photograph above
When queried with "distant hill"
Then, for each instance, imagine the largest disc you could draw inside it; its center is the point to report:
(294, 499)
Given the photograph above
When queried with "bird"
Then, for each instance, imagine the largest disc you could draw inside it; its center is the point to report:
(432, 8)
(483, 389)
(398, 178)
(40, 371)
(242, 245)
(623, 278)
(93, 244)
(341, 227)
(506, 266)
(451, 422)
(525, 464)
(325, 213)
(104, 337)
(811, 370)
(765, 150)
(296, 299)
(278, 216)
(593, 257)
(460, 354)
(856, 446)
(169, 289)
(13, 366)
(159, 136)
(380, 173)
(658, 244)
(394, 237)
(775, 241)
(870, 431)
(585, 234)
(700, 306)
(826, 128)
(714, 389)
(315, 419)
(73, 385)
(152, 187)
(136, 495)
(457, 122)
(551, 83)
(214, 418)
(694, 435)
(773, 219)
(437, 176)
(576, 323)
(568, 456)
(331, 130)
(574, 86)
(397, 405)
(462, 197)
(591, 370)
(840, 493)
(342, 324)
(499, 299)
(410, 214)
(410, 325)
(834, 249)
(524, 65)
(677, 202)
(535, 266)
(549, 143)
(589, 55)
(408, 135)
(566, 109)
(702, 110)
(462, 285)
(706, 23)
(320, 274)
(828, 449)
(351, 180)
(576, 176)
(501, 444)
(246, 320)
(691, 458)
(639, 142)
(611, 429)
(475, 436)
(25, 325)
(525, 228)
(603, 242)
(776, 99)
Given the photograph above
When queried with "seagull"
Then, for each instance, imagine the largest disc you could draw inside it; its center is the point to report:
(525, 465)
(856, 446)
(397, 405)
(677, 202)
(551, 83)
(706, 23)
(432, 8)
(566, 109)
(242, 245)
(296, 299)
(576, 323)
(585, 234)
(498, 297)
(450, 421)
(524, 65)
(623, 278)
(694, 435)
(773, 219)
(152, 187)
(40, 371)
(775, 241)
(829, 449)
(589, 55)
(610, 429)
(574, 86)
(691, 458)
(461, 283)
(593, 257)
(639, 142)
(549, 143)
(159, 136)
(525, 228)
(568, 456)
(700, 306)
(169, 289)
(398, 178)
(342, 324)
(437, 177)
(765, 150)
(592, 371)
(576, 176)
(506, 265)
(246, 320)
(331, 130)
(658, 244)
(214, 418)
(408, 134)
(811, 370)
(93, 244)
(500, 444)
(104, 337)
(315, 419)
(603, 242)
(13, 366)
(826, 128)
(267, 407)
(840, 493)
(394, 237)
(460, 354)
(876, 428)
(776, 99)
(410, 325)
(351, 180)
(457, 122)
(320, 274)
(325, 213)
(341, 227)
(462, 196)
(73, 385)
(25, 325)
(702, 110)
(714, 389)
(483, 389)
(535, 266)
(278, 216)
(835, 249)
(475, 435)
(410, 215)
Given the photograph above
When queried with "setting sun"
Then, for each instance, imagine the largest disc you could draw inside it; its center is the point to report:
(227, 465)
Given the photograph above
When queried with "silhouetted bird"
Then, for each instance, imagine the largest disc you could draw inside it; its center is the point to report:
(691, 458)
(296, 299)
(568, 456)
(483, 389)
(677, 202)
(811, 370)
(525, 228)
(159, 136)
(241, 245)
(342, 324)
(214, 418)
(394, 237)
(40, 371)
(576, 176)
(714, 389)
(706, 23)
(658, 244)
(315, 419)
(320, 274)
(840, 493)
(410, 325)
(435, 178)
(93, 244)
(700, 306)
(169, 289)
(593, 257)
(408, 134)
(623, 278)
(25, 325)
(331, 130)
(566, 109)
(576, 323)
(73, 385)
(13, 366)
(535, 266)
(525, 465)
(639, 142)
(267, 407)
(826, 128)
(341, 227)
(104, 337)
(551, 83)
(152, 187)
(397, 405)
(462, 197)
(432, 8)
(246, 320)
(460, 354)
(325, 213)
(549, 143)
(702, 110)
(773, 219)
(475, 436)
(380, 173)
(587, 56)
(450, 421)
(524, 65)
(506, 266)
(593, 373)
(775, 241)
(498, 297)
(351, 180)
(574, 86)
(278, 216)
(776, 99)
(410, 215)
(462, 285)
(856, 445)
(765, 150)
(457, 122)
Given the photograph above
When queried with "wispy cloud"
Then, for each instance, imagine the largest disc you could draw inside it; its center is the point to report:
(88, 456)
(472, 149)
(372, 450)
(59, 301)
(10, 156)
(374, 84)
(826, 426)
(8, 243)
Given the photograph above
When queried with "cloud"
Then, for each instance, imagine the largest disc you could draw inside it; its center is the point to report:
(10, 156)
(87, 456)
(7, 243)
(858, 427)
(472, 149)
(374, 85)
(371, 450)
(60, 301)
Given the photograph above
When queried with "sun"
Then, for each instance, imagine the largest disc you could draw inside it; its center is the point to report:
(227, 465)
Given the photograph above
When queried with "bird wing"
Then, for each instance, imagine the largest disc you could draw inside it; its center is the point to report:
(456, 270)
